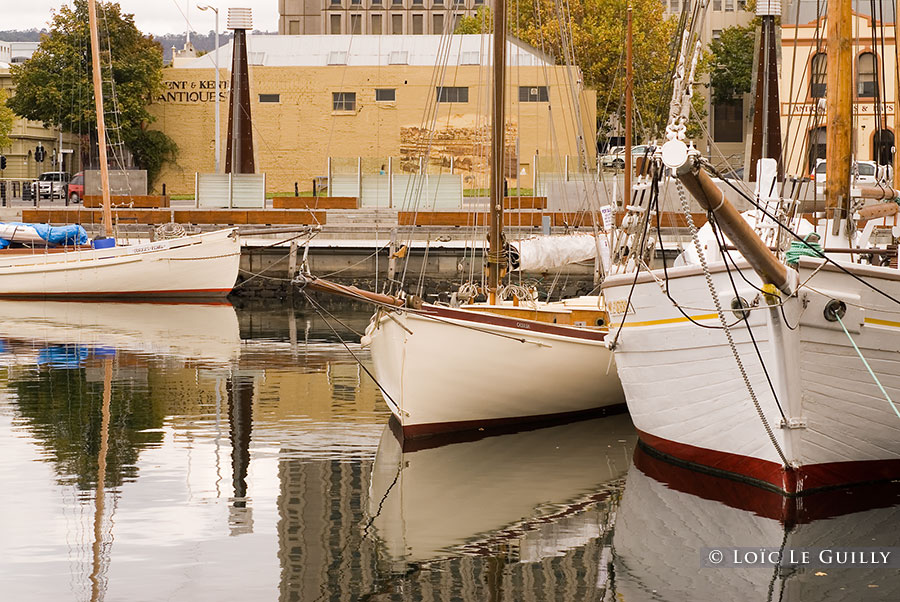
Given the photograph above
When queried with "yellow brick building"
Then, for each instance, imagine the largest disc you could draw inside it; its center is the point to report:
(804, 70)
(377, 101)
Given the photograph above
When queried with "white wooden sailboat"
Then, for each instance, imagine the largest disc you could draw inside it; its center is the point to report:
(488, 364)
(198, 265)
(784, 375)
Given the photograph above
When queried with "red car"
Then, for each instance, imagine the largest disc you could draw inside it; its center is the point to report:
(75, 188)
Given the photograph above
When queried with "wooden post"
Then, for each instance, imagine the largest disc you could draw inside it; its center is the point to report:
(292, 261)
(839, 98)
(101, 125)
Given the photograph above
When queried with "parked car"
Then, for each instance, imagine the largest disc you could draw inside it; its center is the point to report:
(616, 157)
(863, 172)
(75, 188)
(52, 184)
(615, 154)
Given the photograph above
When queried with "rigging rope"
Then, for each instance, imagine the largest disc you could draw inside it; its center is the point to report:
(725, 326)
(808, 247)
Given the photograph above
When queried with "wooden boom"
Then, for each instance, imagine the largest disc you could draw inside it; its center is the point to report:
(754, 250)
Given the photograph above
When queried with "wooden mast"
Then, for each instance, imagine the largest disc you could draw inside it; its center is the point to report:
(629, 79)
(496, 261)
(838, 101)
(101, 125)
(896, 96)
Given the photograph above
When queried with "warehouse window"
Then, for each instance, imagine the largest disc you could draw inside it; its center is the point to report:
(533, 94)
(385, 94)
(270, 98)
(453, 94)
(343, 101)
(356, 24)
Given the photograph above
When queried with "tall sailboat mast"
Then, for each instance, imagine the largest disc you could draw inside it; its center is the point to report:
(495, 262)
(837, 108)
(629, 92)
(101, 125)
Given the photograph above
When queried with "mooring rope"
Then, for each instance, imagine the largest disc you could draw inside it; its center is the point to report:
(866, 364)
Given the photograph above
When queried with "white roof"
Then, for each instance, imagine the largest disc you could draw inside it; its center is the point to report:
(370, 50)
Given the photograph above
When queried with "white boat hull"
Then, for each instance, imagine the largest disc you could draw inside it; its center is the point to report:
(198, 265)
(688, 400)
(450, 370)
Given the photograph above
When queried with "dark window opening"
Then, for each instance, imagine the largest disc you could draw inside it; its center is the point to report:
(728, 121)
(818, 75)
(533, 94)
(344, 101)
(453, 94)
(385, 95)
(883, 147)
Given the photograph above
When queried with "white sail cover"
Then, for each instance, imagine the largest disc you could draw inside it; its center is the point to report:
(545, 253)
(20, 233)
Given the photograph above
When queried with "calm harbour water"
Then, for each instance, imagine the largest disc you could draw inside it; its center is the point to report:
(202, 452)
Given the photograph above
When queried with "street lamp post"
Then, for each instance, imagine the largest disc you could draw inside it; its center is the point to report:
(216, 62)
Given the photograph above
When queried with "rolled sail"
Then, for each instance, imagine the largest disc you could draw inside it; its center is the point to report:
(545, 253)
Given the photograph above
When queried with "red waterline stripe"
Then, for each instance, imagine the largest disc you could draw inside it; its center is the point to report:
(771, 475)
(442, 433)
(93, 294)
(771, 504)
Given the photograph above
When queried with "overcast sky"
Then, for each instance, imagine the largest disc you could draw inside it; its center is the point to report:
(151, 16)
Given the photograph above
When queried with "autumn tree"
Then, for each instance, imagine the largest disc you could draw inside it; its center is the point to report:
(7, 118)
(731, 63)
(55, 85)
(592, 34)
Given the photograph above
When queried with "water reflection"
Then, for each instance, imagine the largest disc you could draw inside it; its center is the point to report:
(158, 452)
(668, 515)
(528, 490)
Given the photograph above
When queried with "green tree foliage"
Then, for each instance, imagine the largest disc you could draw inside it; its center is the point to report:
(55, 85)
(731, 63)
(61, 408)
(481, 22)
(7, 118)
(595, 31)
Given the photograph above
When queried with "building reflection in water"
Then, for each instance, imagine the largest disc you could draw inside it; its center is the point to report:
(239, 388)
(524, 513)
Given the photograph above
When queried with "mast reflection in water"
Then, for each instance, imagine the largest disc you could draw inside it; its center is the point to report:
(247, 457)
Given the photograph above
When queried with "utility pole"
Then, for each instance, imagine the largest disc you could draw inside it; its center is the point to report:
(216, 63)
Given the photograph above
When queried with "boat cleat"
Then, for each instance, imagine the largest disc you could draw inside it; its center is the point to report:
(793, 423)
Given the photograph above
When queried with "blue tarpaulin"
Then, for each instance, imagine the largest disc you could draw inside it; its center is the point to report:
(72, 234)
